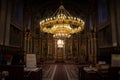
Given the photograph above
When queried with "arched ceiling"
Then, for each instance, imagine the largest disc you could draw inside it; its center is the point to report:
(45, 8)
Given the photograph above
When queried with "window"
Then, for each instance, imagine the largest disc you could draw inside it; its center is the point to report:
(18, 11)
(102, 11)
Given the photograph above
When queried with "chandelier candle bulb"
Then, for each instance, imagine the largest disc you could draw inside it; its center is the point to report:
(62, 24)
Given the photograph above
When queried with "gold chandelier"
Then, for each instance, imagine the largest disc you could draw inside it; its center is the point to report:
(62, 24)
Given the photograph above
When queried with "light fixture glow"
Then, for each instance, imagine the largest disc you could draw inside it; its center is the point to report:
(62, 24)
(60, 43)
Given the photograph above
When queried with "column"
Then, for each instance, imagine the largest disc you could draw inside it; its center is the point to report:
(92, 48)
(64, 52)
(28, 41)
(55, 56)
(89, 51)
(8, 21)
(95, 47)
(113, 22)
(3, 15)
(30, 49)
(118, 20)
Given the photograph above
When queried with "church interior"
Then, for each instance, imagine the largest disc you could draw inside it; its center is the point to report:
(59, 40)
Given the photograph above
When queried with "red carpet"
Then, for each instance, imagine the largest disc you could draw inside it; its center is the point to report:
(60, 73)
(72, 71)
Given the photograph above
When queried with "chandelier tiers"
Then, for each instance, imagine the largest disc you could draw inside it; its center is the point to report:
(62, 24)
